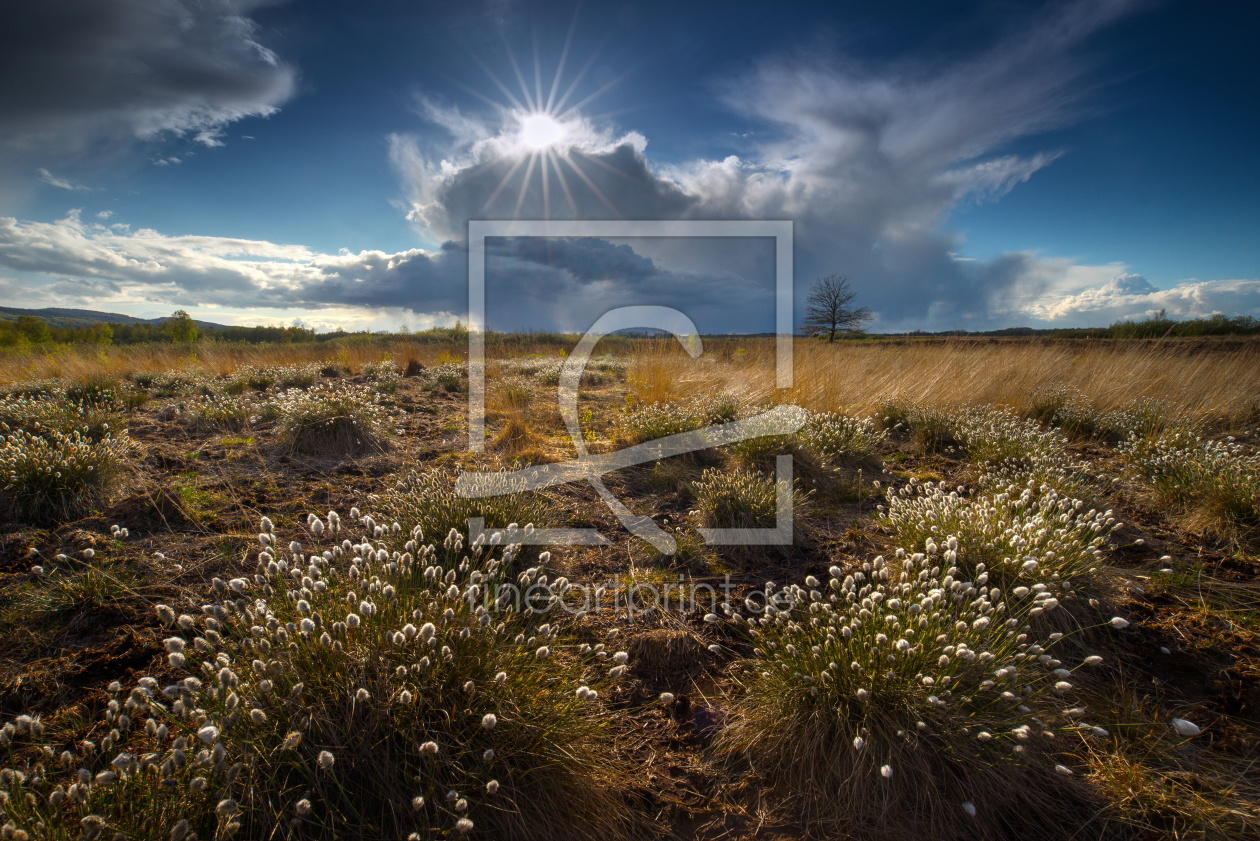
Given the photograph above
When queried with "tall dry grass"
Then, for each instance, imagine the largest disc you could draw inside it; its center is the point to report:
(1196, 382)
(215, 358)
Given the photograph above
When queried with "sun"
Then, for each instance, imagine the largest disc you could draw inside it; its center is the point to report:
(540, 130)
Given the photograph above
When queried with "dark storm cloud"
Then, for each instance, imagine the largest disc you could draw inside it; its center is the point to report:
(866, 161)
(84, 74)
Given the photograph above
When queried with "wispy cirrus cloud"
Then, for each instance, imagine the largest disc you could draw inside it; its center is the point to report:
(48, 178)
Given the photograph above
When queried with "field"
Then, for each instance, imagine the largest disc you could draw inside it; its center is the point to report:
(240, 596)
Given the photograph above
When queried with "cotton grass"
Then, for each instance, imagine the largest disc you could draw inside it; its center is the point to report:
(261, 734)
(888, 693)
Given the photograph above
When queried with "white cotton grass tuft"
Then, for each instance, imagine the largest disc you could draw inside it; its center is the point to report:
(969, 808)
(667, 697)
(1185, 728)
(1119, 622)
(276, 646)
(917, 652)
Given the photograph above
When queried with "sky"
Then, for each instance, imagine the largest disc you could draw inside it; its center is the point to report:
(971, 165)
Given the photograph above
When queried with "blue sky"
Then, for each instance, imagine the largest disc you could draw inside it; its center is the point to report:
(968, 165)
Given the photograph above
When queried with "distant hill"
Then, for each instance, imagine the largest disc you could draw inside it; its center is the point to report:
(60, 317)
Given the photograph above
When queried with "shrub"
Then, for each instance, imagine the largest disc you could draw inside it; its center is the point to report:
(235, 386)
(450, 377)
(735, 499)
(477, 715)
(1010, 450)
(933, 429)
(35, 388)
(93, 390)
(259, 379)
(298, 376)
(55, 412)
(222, 413)
(549, 373)
(836, 438)
(91, 585)
(1044, 403)
(143, 379)
(332, 421)
(180, 383)
(1067, 410)
(658, 420)
(760, 453)
(1144, 418)
(907, 689)
(992, 436)
(431, 502)
(385, 369)
(513, 395)
(1217, 483)
(1021, 536)
(58, 477)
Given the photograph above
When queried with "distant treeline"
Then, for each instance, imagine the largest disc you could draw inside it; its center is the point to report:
(31, 331)
(1154, 327)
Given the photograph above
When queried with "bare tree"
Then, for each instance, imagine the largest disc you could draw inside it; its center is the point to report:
(830, 308)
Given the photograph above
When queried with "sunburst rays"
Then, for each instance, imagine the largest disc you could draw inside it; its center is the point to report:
(543, 128)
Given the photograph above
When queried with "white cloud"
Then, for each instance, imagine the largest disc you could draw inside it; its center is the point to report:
(48, 178)
(1130, 296)
(867, 162)
(532, 283)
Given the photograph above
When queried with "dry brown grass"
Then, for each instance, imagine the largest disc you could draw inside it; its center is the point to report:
(1198, 382)
(214, 359)
(1157, 786)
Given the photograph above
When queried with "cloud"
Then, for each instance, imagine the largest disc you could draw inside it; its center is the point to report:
(868, 162)
(1130, 296)
(103, 74)
(530, 283)
(48, 178)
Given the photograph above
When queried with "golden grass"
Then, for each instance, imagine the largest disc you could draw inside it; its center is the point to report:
(1202, 382)
(1178, 793)
(211, 358)
(1212, 382)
